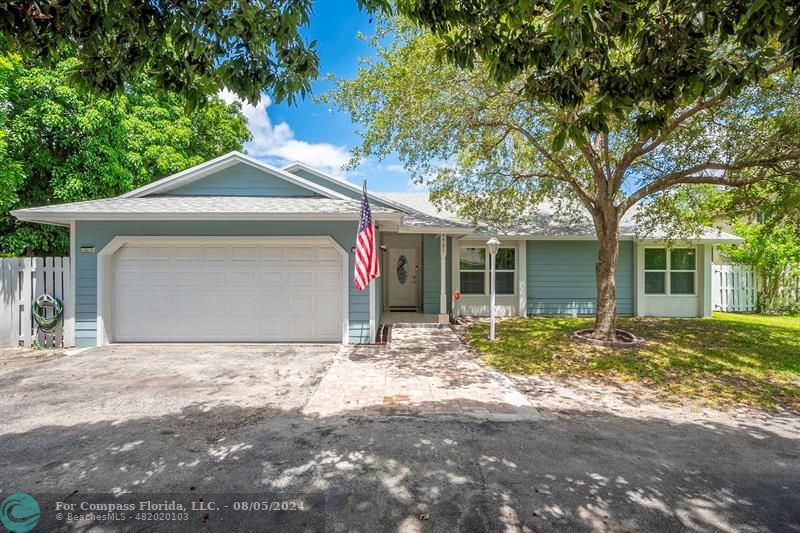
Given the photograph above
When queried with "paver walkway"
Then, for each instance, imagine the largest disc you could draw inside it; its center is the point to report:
(423, 371)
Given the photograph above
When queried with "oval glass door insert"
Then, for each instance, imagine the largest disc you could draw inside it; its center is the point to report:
(402, 269)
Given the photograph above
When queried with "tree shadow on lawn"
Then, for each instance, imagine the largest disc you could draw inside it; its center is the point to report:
(587, 472)
(714, 361)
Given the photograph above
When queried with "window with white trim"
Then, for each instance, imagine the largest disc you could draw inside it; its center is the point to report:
(670, 271)
(505, 270)
(474, 270)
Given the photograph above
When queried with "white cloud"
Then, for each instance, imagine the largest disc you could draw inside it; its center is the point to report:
(277, 142)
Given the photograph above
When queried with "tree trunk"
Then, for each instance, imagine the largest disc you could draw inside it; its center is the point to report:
(605, 324)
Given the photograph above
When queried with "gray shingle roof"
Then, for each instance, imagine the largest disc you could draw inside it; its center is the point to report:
(202, 205)
(422, 215)
(543, 223)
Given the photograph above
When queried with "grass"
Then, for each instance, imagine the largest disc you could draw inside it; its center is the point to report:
(728, 360)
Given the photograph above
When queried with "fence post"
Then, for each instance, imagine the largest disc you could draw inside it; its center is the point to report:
(69, 302)
(7, 299)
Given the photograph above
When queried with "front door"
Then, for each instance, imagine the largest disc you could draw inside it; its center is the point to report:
(402, 272)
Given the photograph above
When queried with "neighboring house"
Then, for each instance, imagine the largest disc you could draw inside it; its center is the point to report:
(237, 250)
(723, 223)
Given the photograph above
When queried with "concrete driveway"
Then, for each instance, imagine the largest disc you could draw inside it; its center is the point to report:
(223, 424)
(119, 382)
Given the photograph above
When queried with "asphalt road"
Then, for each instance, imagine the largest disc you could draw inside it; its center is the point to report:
(414, 474)
(219, 429)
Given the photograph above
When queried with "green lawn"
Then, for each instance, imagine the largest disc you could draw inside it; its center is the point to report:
(731, 359)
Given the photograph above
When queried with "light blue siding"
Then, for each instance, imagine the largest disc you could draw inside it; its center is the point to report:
(431, 273)
(241, 180)
(561, 277)
(341, 189)
(378, 283)
(99, 234)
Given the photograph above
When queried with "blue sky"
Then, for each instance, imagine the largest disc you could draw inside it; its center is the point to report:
(312, 132)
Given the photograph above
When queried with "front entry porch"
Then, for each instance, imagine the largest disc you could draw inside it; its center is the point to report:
(415, 280)
(406, 318)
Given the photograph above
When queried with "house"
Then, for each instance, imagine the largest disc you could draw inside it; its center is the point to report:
(238, 250)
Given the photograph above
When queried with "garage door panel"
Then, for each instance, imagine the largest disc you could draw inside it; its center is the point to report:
(271, 280)
(215, 254)
(328, 328)
(214, 279)
(129, 278)
(157, 253)
(272, 254)
(302, 278)
(301, 329)
(185, 253)
(235, 292)
(272, 328)
(324, 302)
(187, 279)
(300, 305)
(247, 254)
(156, 279)
(298, 254)
(329, 278)
(328, 255)
(130, 254)
(270, 305)
(242, 279)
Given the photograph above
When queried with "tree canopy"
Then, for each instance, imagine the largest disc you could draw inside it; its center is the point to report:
(494, 153)
(192, 47)
(60, 144)
(612, 59)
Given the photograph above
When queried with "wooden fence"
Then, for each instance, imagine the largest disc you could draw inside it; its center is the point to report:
(789, 288)
(22, 280)
(735, 288)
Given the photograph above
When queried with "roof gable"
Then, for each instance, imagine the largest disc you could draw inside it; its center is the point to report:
(339, 185)
(241, 180)
(234, 174)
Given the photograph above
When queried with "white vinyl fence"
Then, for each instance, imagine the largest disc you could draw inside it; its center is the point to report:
(22, 280)
(735, 288)
(789, 290)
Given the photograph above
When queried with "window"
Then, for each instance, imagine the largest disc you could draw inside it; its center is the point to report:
(474, 270)
(669, 271)
(505, 266)
(655, 271)
(682, 264)
(472, 265)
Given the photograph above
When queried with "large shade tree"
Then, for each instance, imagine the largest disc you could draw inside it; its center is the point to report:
(192, 47)
(60, 144)
(495, 150)
(603, 59)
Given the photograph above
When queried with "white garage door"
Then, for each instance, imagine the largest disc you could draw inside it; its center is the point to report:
(228, 292)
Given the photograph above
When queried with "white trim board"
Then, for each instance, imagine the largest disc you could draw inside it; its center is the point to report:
(104, 266)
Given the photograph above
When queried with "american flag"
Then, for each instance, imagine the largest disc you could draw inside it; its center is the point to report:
(366, 263)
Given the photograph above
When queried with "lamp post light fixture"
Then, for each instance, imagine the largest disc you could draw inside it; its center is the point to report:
(493, 245)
